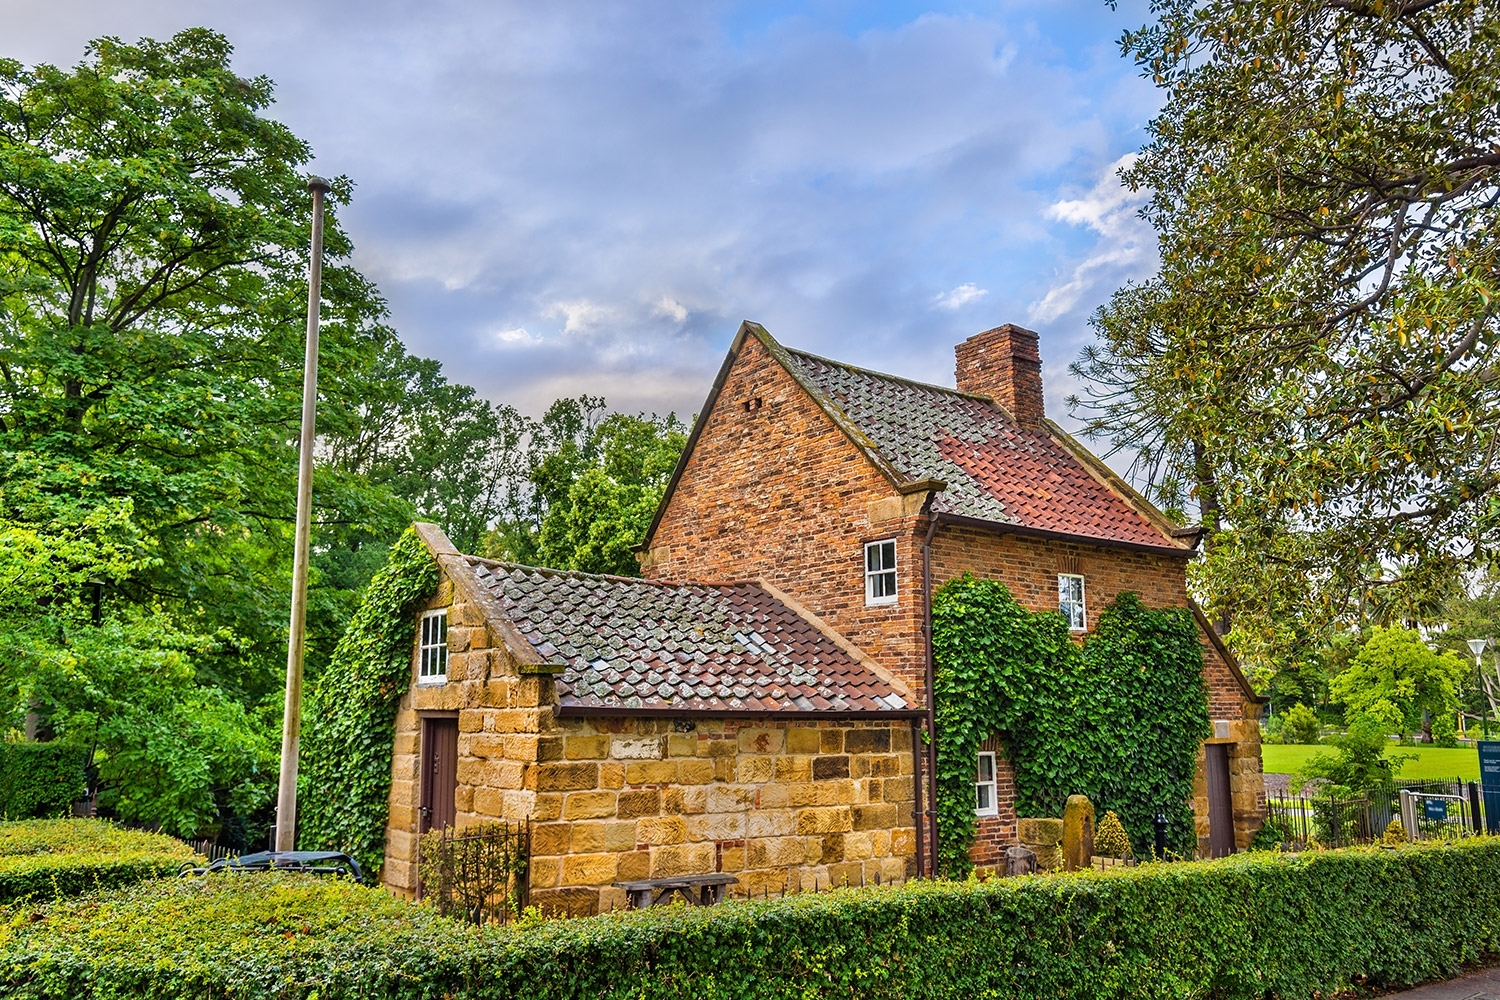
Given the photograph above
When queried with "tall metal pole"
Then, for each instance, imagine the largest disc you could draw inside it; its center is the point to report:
(291, 718)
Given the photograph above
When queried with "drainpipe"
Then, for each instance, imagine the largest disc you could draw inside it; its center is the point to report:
(918, 819)
(932, 524)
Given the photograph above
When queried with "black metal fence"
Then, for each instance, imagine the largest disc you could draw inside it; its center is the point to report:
(1423, 810)
(478, 873)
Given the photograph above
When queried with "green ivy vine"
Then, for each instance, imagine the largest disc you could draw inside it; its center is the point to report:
(350, 718)
(1119, 719)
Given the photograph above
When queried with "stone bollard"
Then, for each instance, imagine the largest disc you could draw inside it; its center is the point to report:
(1041, 836)
(1078, 833)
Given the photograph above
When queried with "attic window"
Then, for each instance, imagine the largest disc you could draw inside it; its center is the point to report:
(432, 653)
(1070, 601)
(880, 572)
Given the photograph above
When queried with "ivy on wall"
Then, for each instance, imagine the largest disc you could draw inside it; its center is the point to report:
(1119, 719)
(350, 719)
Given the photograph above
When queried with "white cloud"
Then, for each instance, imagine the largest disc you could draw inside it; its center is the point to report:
(672, 309)
(580, 315)
(959, 297)
(1126, 248)
(518, 336)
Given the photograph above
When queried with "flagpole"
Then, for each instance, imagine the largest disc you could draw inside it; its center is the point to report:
(291, 719)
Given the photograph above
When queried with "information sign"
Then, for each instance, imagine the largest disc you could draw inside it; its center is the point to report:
(1437, 809)
(1489, 778)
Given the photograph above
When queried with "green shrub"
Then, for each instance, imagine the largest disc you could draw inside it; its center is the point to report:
(1301, 725)
(1444, 730)
(344, 784)
(46, 858)
(40, 779)
(1250, 926)
(1110, 838)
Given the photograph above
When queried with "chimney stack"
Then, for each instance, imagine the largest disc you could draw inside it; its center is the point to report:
(1003, 364)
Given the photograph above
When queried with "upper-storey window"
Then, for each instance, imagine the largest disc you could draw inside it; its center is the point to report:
(880, 572)
(986, 802)
(1070, 601)
(432, 652)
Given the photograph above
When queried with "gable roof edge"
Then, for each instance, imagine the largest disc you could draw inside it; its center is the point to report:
(1230, 660)
(1174, 533)
(456, 567)
(841, 420)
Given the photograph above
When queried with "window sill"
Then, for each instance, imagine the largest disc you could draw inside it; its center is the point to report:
(882, 602)
(432, 681)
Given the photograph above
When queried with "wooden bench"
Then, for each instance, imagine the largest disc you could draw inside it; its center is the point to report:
(658, 891)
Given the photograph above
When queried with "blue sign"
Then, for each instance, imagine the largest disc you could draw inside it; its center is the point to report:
(1437, 809)
(1489, 778)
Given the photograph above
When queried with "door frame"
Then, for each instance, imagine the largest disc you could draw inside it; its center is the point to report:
(1220, 799)
(430, 772)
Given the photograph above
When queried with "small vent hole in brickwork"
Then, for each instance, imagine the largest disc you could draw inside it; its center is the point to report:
(751, 405)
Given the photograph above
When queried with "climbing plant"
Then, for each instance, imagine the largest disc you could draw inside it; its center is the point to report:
(350, 728)
(1119, 719)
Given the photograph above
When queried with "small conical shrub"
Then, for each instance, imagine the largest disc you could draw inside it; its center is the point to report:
(1110, 838)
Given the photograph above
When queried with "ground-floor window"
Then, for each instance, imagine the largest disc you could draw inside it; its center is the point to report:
(985, 801)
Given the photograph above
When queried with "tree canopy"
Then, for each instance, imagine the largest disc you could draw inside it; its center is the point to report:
(1312, 370)
(154, 231)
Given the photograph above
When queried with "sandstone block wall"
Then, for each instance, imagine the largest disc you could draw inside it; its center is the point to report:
(781, 804)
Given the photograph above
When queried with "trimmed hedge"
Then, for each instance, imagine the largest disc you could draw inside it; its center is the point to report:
(49, 858)
(1250, 926)
(41, 779)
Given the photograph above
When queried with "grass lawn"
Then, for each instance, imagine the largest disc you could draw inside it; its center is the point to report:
(1431, 762)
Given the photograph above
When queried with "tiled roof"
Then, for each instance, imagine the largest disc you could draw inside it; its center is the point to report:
(995, 470)
(690, 647)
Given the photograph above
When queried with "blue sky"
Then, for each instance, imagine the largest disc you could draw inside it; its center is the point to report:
(588, 197)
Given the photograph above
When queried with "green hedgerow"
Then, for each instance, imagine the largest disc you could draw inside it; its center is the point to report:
(1241, 928)
(47, 858)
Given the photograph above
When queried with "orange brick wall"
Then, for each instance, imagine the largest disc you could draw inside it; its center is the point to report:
(780, 494)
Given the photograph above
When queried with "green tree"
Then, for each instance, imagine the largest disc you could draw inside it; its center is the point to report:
(1312, 370)
(1359, 762)
(1397, 679)
(595, 483)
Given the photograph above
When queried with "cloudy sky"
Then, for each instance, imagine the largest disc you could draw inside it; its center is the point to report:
(571, 197)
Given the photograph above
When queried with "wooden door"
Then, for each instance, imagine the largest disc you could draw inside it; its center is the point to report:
(439, 772)
(1220, 805)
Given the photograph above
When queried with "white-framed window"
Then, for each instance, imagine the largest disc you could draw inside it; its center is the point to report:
(986, 802)
(432, 651)
(880, 572)
(1070, 601)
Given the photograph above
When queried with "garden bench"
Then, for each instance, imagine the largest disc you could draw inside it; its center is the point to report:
(650, 892)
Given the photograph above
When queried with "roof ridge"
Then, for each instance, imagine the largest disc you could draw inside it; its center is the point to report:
(612, 577)
(978, 397)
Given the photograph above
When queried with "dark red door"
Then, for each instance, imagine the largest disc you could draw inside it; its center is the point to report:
(1220, 805)
(439, 772)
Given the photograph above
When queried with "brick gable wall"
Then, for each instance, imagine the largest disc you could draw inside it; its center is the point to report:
(780, 493)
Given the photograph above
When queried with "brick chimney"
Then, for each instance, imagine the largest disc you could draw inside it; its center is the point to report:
(1003, 364)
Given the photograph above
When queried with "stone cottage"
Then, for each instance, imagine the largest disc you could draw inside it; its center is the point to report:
(646, 730)
(767, 720)
(859, 493)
